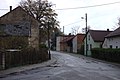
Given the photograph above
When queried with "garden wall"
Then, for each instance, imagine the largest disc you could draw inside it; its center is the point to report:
(23, 57)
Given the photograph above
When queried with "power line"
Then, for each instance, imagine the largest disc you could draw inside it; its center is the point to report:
(89, 6)
(3, 9)
(72, 23)
(83, 6)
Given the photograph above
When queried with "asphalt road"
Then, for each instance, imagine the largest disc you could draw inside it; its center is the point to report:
(68, 67)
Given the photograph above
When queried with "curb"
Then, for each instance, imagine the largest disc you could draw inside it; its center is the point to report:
(3, 73)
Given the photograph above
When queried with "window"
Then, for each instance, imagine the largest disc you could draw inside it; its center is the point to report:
(116, 47)
(90, 46)
(111, 46)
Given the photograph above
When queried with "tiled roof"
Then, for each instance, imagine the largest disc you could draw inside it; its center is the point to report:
(80, 37)
(68, 38)
(98, 35)
(114, 33)
(19, 7)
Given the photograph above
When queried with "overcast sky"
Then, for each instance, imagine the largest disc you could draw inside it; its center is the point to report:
(101, 17)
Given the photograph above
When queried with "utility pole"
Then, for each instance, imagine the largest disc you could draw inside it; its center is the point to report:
(86, 34)
(63, 29)
(63, 38)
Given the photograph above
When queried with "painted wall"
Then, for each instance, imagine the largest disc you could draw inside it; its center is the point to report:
(58, 43)
(60, 46)
(114, 42)
(75, 45)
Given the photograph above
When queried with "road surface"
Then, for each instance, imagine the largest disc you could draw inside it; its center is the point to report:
(68, 67)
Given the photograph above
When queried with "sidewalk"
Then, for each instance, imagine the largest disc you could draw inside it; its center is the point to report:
(27, 67)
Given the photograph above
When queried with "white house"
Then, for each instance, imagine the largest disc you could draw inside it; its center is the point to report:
(112, 40)
(95, 39)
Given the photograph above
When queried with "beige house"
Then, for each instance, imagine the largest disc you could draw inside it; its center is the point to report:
(26, 25)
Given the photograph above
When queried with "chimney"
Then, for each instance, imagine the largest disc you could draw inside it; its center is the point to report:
(10, 8)
(108, 30)
(69, 34)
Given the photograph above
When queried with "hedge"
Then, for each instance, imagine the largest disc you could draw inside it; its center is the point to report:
(112, 55)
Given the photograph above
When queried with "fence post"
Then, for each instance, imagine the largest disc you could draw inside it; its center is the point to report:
(3, 60)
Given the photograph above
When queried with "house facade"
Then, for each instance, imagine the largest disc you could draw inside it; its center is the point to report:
(112, 40)
(95, 39)
(18, 22)
(58, 40)
(64, 43)
(77, 42)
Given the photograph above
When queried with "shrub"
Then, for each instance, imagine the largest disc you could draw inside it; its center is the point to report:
(43, 46)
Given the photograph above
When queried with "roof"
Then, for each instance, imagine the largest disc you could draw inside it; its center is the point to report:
(80, 37)
(68, 38)
(6, 31)
(66, 35)
(98, 35)
(19, 7)
(114, 33)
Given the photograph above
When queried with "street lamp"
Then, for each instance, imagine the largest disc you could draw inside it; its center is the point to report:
(86, 33)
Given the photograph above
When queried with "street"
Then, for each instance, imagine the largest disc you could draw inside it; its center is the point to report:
(68, 67)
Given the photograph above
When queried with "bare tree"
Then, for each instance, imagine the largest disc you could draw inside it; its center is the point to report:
(43, 12)
(117, 24)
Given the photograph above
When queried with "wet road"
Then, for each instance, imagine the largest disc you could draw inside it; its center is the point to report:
(70, 67)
